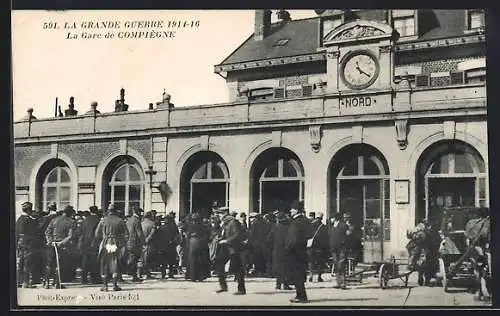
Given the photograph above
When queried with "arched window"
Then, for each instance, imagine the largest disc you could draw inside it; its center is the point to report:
(127, 187)
(280, 183)
(456, 178)
(57, 187)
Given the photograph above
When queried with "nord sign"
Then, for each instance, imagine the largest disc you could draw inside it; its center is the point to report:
(355, 102)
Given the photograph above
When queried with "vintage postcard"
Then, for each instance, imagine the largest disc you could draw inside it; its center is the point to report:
(272, 158)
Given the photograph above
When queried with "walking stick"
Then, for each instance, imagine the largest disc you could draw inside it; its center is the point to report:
(58, 267)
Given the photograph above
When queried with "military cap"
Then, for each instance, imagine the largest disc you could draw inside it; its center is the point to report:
(138, 210)
(27, 206)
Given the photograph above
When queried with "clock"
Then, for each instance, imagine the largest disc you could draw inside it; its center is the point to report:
(359, 69)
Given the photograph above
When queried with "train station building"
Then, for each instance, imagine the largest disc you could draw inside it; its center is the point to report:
(379, 113)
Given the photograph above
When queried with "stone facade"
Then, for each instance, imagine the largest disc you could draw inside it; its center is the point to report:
(400, 123)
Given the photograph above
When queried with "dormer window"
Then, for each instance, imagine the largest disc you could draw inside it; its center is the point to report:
(475, 19)
(404, 21)
(281, 42)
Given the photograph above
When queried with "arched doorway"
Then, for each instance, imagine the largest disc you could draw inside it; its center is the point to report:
(359, 185)
(123, 184)
(204, 182)
(54, 185)
(450, 174)
(277, 179)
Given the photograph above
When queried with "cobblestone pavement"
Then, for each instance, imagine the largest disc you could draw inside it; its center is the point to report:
(260, 292)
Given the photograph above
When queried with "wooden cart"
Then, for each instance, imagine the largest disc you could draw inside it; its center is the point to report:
(391, 270)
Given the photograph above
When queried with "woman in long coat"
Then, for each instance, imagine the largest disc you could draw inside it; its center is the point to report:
(198, 235)
(277, 239)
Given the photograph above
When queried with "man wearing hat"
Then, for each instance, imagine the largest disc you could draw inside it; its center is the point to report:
(112, 235)
(337, 239)
(43, 223)
(296, 252)
(230, 249)
(149, 229)
(165, 242)
(88, 247)
(58, 234)
(257, 237)
(26, 244)
(134, 243)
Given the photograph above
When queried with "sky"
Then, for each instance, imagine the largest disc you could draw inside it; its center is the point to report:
(46, 64)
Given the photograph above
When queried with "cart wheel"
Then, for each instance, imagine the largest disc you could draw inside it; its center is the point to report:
(442, 271)
(383, 277)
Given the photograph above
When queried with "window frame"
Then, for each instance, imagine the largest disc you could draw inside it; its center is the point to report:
(468, 18)
(127, 183)
(393, 18)
(58, 185)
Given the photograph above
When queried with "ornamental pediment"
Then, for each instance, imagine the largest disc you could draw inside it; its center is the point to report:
(359, 29)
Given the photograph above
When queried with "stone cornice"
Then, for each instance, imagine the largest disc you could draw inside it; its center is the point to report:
(270, 62)
(477, 109)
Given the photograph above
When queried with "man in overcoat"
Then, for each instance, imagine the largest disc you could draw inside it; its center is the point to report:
(337, 240)
(296, 251)
(112, 235)
(88, 248)
(230, 249)
(26, 244)
(166, 240)
(134, 243)
(149, 229)
(59, 234)
(319, 252)
(277, 239)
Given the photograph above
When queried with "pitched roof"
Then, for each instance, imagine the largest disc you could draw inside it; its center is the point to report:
(302, 35)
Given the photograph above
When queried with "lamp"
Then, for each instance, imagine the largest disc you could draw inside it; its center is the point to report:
(150, 172)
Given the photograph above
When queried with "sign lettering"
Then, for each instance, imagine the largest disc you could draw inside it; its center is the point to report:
(355, 102)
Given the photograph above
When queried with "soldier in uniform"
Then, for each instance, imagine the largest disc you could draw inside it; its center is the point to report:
(230, 249)
(277, 238)
(45, 248)
(59, 234)
(296, 251)
(337, 241)
(112, 234)
(165, 241)
(134, 243)
(89, 248)
(149, 229)
(319, 252)
(27, 244)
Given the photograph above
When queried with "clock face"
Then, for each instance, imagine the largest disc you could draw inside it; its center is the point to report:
(359, 70)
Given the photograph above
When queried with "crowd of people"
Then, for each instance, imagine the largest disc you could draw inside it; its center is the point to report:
(285, 244)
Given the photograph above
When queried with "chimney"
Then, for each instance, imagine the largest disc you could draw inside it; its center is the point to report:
(262, 24)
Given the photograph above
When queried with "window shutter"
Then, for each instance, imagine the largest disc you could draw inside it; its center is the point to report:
(279, 93)
(307, 90)
(422, 80)
(457, 77)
